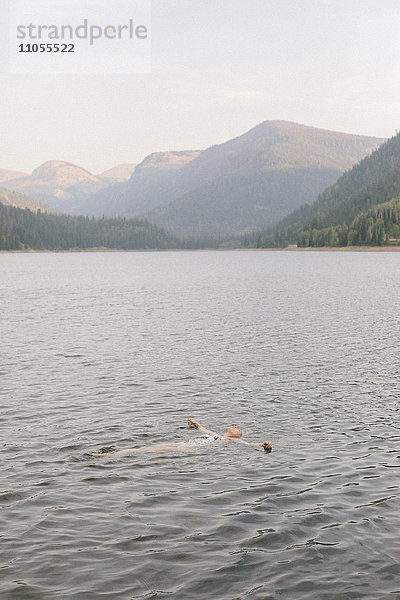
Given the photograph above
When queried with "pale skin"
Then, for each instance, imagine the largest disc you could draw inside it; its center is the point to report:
(232, 434)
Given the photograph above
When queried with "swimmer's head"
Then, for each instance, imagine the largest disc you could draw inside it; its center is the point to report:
(234, 432)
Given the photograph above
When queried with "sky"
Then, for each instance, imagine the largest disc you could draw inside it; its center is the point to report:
(219, 67)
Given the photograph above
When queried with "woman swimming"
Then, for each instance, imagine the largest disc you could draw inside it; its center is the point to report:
(232, 434)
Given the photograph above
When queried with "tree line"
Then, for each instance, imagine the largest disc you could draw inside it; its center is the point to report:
(23, 229)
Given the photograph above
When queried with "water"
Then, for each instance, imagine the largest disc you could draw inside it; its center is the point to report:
(119, 349)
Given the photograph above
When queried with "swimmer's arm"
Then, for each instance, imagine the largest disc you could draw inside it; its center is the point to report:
(196, 424)
(266, 445)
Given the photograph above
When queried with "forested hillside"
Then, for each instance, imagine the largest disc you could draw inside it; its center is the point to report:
(23, 229)
(339, 216)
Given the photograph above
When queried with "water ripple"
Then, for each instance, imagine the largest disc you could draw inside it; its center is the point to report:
(113, 351)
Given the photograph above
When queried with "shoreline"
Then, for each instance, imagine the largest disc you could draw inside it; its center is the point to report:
(346, 249)
(288, 249)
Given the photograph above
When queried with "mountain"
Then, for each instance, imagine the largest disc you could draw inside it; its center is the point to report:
(259, 177)
(153, 183)
(249, 182)
(361, 207)
(7, 175)
(119, 173)
(21, 201)
(24, 229)
(59, 184)
(167, 161)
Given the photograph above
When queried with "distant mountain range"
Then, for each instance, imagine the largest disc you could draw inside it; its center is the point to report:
(63, 185)
(362, 207)
(243, 185)
(246, 183)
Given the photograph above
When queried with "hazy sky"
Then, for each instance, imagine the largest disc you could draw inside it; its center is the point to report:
(219, 68)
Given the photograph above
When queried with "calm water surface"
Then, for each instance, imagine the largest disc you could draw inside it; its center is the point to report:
(119, 349)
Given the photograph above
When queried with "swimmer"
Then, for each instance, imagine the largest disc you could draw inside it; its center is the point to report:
(232, 434)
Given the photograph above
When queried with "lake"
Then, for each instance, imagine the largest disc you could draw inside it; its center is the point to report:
(117, 350)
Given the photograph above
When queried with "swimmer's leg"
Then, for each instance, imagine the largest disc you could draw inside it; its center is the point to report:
(156, 448)
(164, 447)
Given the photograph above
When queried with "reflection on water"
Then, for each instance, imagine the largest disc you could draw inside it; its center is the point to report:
(118, 350)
